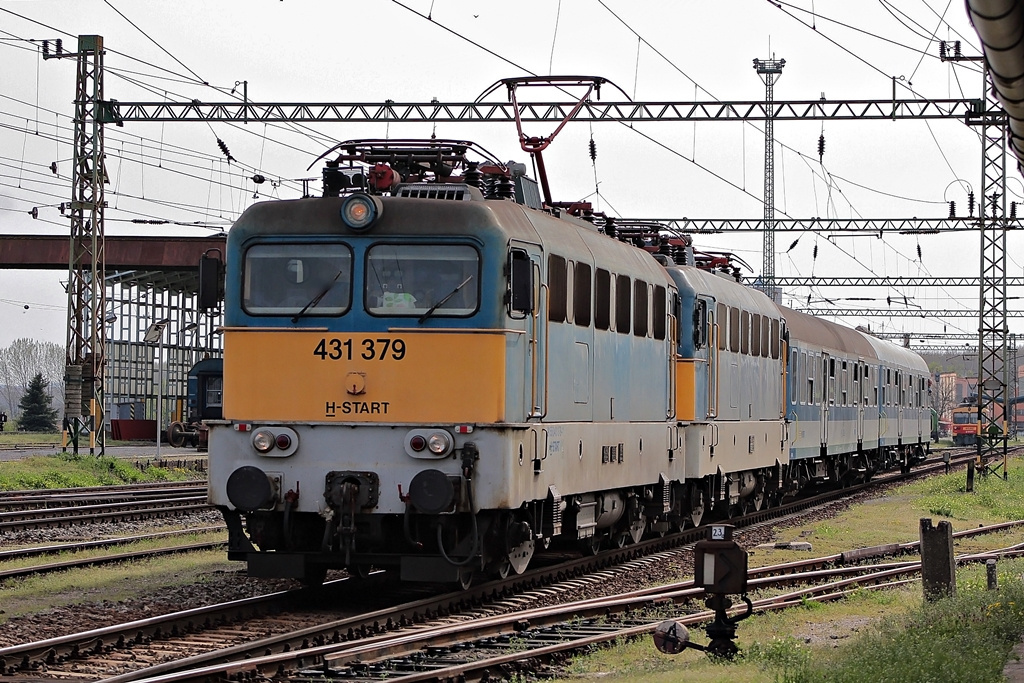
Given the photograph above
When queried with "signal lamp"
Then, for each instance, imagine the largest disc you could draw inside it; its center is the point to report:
(283, 441)
(417, 443)
(360, 211)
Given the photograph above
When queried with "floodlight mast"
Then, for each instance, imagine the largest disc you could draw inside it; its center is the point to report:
(769, 70)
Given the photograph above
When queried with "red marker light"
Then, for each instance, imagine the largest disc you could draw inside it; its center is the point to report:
(284, 441)
(417, 443)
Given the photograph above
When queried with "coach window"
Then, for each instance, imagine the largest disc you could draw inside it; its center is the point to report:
(581, 290)
(831, 370)
(765, 337)
(556, 289)
(602, 299)
(801, 374)
(846, 385)
(640, 308)
(623, 301)
(856, 384)
(282, 279)
(414, 279)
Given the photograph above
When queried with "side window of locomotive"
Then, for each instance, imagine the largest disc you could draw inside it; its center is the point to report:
(723, 320)
(744, 332)
(623, 300)
(282, 279)
(412, 279)
(660, 313)
(602, 299)
(557, 293)
(734, 329)
(581, 290)
(775, 338)
(640, 312)
(755, 334)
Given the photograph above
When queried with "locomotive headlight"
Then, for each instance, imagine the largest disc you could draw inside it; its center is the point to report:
(429, 443)
(360, 211)
(263, 440)
(439, 443)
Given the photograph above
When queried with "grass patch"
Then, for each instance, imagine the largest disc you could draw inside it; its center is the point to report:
(964, 638)
(113, 583)
(11, 437)
(67, 470)
(875, 628)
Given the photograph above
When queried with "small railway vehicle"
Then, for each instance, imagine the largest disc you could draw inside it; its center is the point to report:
(204, 402)
(965, 423)
(431, 370)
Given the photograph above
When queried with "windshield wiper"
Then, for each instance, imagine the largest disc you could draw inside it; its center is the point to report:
(316, 299)
(442, 302)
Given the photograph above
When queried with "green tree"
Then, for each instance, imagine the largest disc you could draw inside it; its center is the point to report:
(36, 413)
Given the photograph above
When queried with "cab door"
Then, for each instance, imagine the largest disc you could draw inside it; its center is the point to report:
(527, 303)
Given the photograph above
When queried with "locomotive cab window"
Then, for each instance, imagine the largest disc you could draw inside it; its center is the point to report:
(700, 324)
(282, 279)
(214, 392)
(414, 279)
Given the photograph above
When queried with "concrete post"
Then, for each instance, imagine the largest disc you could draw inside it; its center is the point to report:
(938, 568)
(990, 572)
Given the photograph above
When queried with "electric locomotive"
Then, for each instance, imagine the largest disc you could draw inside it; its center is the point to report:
(435, 377)
(430, 370)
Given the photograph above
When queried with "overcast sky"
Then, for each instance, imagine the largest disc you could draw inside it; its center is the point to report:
(318, 51)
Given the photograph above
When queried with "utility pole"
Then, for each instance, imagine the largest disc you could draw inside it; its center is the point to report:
(86, 340)
(993, 362)
(769, 70)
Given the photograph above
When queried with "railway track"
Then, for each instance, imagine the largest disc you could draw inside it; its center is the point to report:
(25, 510)
(293, 649)
(96, 560)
